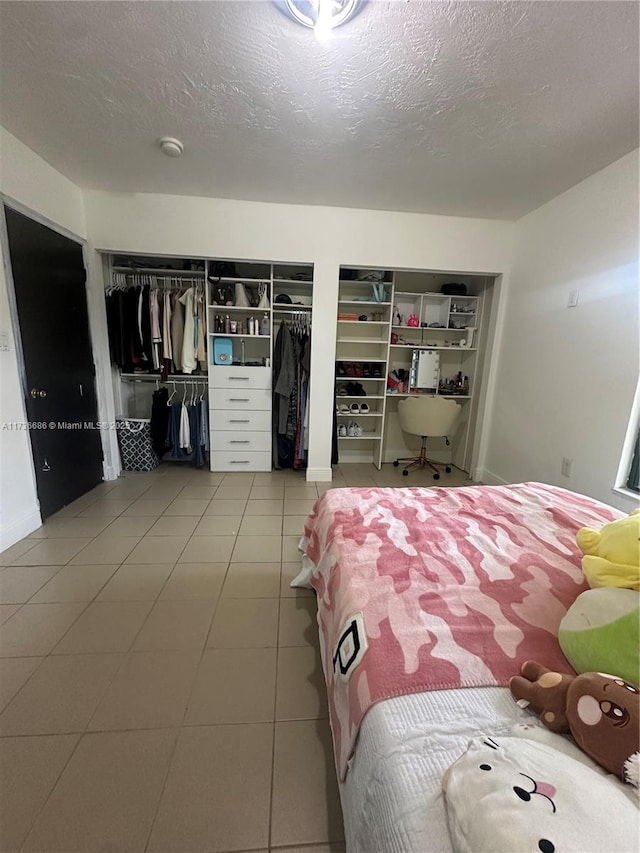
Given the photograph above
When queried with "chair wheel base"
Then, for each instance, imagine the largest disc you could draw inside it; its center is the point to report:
(405, 473)
(448, 469)
(396, 463)
(436, 476)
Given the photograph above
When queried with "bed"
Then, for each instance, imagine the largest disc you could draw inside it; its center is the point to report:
(428, 601)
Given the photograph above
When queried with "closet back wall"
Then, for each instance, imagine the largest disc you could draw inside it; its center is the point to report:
(326, 237)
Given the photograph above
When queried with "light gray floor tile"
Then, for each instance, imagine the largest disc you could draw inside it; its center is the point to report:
(60, 696)
(30, 768)
(216, 811)
(150, 691)
(107, 795)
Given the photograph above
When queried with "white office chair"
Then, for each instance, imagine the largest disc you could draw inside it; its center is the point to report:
(428, 417)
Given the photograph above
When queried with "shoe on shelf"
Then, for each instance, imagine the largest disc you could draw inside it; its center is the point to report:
(343, 391)
(351, 429)
(342, 431)
(344, 409)
(364, 408)
(358, 390)
(355, 408)
(350, 369)
(366, 371)
(340, 369)
(359, 370)
(377, 371)
(358, 432)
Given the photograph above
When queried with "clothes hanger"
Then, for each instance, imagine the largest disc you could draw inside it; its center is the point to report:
(173, 394)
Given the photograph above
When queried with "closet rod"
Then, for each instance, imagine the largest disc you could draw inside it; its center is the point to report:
(168, 281)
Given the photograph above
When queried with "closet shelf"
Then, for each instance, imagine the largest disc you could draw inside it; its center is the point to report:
(361, 378)
(223, 308)
(426, 346)
(214, 279)
(244, 335)
(158, 271)
(368, 436)
(362, 341)
(293, 281)
(359, 414)
(361, 359)
(363, 302)
(281, 308)
(368, 322)
(429, 328)
(448, 396)
(356, 397)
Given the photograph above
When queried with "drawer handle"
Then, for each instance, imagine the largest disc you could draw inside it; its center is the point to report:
(245, 421)
(238, 441)
(238, 399)
(239, 461)
(235, 378)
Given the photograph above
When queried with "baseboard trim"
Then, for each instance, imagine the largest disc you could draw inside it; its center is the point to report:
(13, 533)
(482, 475)
(319, 475)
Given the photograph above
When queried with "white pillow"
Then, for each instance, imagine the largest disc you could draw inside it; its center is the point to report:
(515, 795)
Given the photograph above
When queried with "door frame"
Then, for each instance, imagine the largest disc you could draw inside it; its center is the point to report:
(17, 334)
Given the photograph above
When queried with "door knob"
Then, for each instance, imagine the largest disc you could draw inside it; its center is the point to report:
(38, 392)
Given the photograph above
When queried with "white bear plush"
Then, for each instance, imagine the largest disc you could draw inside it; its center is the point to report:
(514, 794)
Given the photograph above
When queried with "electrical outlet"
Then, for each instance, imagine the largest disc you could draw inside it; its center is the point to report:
(573, 299)
(565, 470)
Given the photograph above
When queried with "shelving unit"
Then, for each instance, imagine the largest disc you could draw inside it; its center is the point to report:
(240, 392)
(389, 340)
(363, 342)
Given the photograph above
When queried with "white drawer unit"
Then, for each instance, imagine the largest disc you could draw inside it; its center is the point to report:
(240, 399)
(238, 442)
(239, 377)
(240, 418)
(250, 421)
(240, 460)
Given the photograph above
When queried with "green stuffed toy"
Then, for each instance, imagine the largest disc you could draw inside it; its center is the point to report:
(600, 632)
(612, 555)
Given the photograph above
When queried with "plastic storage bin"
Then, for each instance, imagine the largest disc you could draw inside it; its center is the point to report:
(134, 441)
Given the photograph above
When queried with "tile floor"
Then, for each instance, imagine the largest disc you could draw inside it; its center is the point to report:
(160, 682)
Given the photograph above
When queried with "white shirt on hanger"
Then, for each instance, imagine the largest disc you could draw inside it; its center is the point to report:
(189, 360)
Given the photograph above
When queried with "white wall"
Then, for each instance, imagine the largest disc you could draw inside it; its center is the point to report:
(567, 376)
(327, 237)
(28, 180)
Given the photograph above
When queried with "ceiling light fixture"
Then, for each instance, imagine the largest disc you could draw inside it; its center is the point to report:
(170, 146)
(322, 16)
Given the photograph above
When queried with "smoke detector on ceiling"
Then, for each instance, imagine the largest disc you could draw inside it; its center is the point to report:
(170, 146)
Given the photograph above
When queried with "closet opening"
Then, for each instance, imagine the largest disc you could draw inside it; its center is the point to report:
(211, 361)
(406, 333)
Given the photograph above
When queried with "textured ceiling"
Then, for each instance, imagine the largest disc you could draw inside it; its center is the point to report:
(474, 109)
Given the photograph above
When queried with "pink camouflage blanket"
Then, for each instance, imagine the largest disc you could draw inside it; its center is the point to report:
(432, 589)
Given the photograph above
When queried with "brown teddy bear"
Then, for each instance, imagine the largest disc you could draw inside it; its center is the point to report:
(600, 711)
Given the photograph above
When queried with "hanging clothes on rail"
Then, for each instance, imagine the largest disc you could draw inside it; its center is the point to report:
(291, 363)
(177, 330)
(189, 340)
(159, 425)
(146, 318)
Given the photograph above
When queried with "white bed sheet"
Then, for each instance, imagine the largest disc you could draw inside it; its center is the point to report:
(391, 799)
